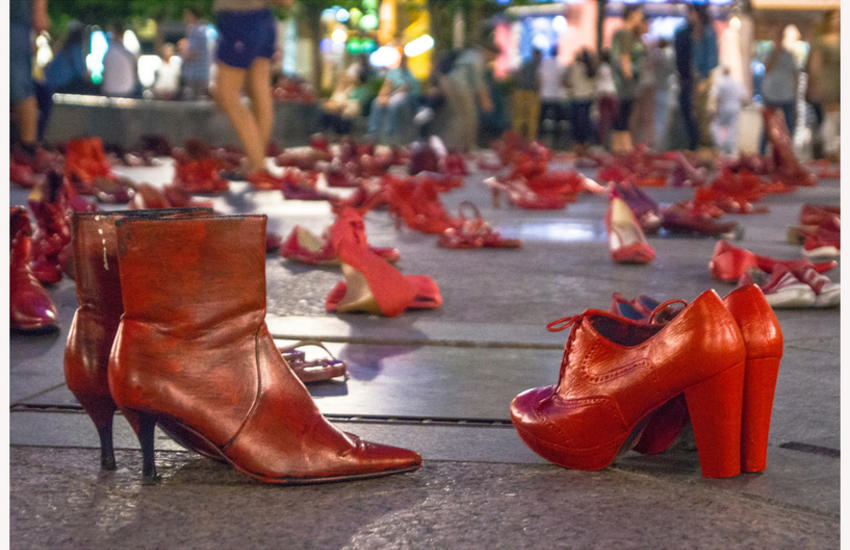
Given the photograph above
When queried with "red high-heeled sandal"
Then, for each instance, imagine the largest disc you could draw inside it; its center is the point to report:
(371, 284)
(625, 237)
(304, 246)
(474, 232)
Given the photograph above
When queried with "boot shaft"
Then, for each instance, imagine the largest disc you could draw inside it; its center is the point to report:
(95, 247)
(187, 275)
(194, 306)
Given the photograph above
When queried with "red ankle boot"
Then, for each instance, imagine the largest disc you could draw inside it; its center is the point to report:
(616, 372)
(95, 250)
(193, 350)
(30, 305)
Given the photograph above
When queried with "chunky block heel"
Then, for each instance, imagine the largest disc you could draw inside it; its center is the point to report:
(715, 407)
(759, 387)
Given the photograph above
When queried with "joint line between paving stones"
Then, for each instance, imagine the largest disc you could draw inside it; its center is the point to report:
(435, 343)
(33, 396)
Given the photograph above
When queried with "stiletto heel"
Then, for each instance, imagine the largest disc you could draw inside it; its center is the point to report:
(102, 411)
(759, 387)
(715, 406)
(147, 423)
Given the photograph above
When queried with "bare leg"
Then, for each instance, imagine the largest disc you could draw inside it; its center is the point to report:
(26, 117)
(229, 82)
(260, 91)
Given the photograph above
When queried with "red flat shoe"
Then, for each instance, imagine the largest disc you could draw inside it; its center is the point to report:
(625, 237)
(616, 373)
(371, 284)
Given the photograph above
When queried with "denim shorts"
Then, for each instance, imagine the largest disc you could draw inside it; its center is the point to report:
(243, 36)
(21, 85)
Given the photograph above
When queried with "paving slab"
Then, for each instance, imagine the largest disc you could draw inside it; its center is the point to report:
(201, 504)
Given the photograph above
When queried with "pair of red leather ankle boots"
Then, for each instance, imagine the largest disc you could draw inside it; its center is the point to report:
(170, 330)
(622, 382)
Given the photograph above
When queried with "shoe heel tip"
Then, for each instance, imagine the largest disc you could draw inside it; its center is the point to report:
(151, 480)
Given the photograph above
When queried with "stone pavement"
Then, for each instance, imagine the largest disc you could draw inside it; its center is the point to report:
(440, 382)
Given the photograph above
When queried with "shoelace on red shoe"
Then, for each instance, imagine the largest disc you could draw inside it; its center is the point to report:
(563, 323)
(559, 325)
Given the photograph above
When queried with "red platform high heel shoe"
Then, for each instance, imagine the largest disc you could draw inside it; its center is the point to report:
(616, 372)
(30, 306)
(763, 341)
(206, 362)
(371, 284)
(625, 237)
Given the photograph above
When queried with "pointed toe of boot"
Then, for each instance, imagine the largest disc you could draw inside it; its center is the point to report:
(376, 459)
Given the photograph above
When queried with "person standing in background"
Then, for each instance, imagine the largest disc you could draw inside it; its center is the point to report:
(246, 45)
(553, 95)
(167, 82)
(661, 59)
(120, 67)
(695, 43)
(627, 52)
(580, 83)
(779, 85)
(525, 99)
(642, 123)
(196, 56)
(469, 93)
(23, 17)
(606, 97)
(824, 85)
(66, 72)
(729, 95)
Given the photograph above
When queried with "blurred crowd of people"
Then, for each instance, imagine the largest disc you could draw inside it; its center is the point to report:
(658, 92)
